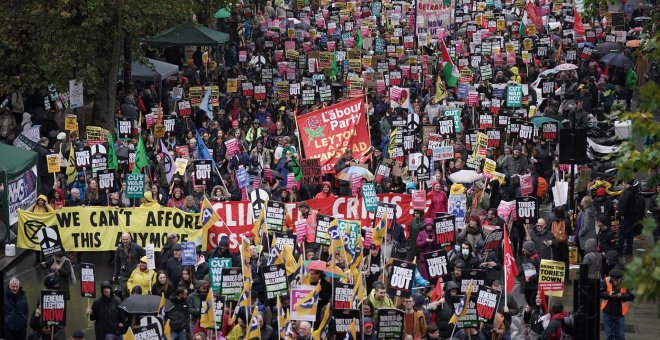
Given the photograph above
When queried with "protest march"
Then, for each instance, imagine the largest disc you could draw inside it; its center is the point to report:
(332, 169)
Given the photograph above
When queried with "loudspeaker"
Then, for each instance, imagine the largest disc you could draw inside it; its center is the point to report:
(572, 146)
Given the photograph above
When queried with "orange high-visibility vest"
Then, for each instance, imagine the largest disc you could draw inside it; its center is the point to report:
(624, 305)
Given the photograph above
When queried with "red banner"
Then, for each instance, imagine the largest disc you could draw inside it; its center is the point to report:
(327, 132)
(238, 216)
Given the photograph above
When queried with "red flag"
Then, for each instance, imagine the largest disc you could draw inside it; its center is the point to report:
(484, 24)
(436, 294)
(543, 302)
(578, 27)
(533, 15)
(510, 267)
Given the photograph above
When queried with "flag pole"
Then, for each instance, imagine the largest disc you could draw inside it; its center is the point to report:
(279, 310)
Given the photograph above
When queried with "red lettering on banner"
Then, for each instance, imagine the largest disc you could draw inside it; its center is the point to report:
(239, 219)
(485, 311)
(326, 132)
(445, 238)
(87, 287)
(53, 315)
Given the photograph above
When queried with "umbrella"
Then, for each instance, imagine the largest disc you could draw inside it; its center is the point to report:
(276, 174)
(351, 171)
(539, 120)
(334, 272)
(588, 44)
(144, 304)
(293, 20)
(566, 67)
(465, 176)
(122, 153)
(634, 43)
(222, 13)
(323, 267)
(316, 265)
(608, 47)
(617, 59)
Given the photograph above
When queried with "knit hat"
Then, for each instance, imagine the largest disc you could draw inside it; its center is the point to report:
(428, 221)
(529, 246)
(616, 272)
(61, 136)
(601, 192)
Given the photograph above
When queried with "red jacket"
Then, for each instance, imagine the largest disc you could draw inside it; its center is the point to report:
(553, 331)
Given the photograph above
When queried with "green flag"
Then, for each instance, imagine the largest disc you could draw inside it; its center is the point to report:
(141, 159)
(358, 38)
(334, 67)
(112, 155)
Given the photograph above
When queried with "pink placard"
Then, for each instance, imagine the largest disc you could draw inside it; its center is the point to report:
(356, 184)
(232, 147)
(526, 187)
(419, 199)
(301, 230)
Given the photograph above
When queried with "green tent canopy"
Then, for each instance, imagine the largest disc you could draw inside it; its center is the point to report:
(19, 180)
(187, 34)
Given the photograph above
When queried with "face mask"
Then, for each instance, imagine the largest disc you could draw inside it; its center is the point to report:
(465, 252)
(457, 247)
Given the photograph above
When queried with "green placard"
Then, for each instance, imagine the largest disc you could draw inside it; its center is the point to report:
(514, 94)
(350, 228)
(456, 115)
(369, 196)
(134, 185)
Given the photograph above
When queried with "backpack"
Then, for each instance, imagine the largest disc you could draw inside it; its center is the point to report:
(5, 125)
(542, 187)
(640, 205)
(558, 229)
(567, 327)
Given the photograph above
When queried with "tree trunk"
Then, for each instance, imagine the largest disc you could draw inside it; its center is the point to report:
(103, 114)
(127, 65)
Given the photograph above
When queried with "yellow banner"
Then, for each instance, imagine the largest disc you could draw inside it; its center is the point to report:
(100, 228)
(551, 277)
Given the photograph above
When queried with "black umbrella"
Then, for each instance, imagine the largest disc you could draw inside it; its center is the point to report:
(617, 59)
(276, 174)
(608, 47)
(122, 153)
(144, 304)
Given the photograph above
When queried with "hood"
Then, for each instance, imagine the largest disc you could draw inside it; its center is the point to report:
(600, 199)
(559, 316)
(179, 191)
(590, 245)
(451, 285)
(129, 99)
(43, 197)
(61, 192)
(514, 70)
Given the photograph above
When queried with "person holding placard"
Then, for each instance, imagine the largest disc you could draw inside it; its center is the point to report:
(425, 244)
(544, 240)
(531, 266)
(105, 313)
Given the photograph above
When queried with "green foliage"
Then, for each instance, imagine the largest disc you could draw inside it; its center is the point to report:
(642, 273)
(49, 42)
